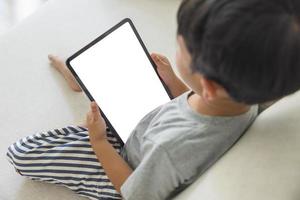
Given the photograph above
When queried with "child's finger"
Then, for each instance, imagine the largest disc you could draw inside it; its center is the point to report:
(93, 106)
(95, 110)
(163, 60)
(160, 57)
(154, 57)
(153, 54)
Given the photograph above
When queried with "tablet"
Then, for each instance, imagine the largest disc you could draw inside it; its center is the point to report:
(117, 72)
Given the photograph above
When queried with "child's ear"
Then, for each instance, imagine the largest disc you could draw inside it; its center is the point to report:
(209, 89)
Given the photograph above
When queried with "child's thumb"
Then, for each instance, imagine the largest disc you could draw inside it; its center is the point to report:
(95, 110)
(94, 106)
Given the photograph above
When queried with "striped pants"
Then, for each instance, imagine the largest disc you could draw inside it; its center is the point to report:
(64, 157)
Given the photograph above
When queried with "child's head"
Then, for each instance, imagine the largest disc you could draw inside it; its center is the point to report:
(248, 50)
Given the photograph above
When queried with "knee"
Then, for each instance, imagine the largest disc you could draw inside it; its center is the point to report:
(15, 157)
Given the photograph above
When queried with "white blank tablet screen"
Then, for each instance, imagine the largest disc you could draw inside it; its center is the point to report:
(119, 76)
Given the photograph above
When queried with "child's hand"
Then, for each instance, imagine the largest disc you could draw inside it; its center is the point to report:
(96, 124)
(164, 68)
(165, 71)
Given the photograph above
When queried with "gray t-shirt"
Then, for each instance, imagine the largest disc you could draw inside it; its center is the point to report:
(173, 145)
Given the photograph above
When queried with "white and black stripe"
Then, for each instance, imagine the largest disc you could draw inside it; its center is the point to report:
(64, 157)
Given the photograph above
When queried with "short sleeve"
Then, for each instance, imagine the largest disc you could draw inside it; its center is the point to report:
(154, 178)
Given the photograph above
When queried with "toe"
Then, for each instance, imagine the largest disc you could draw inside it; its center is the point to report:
(51, 57)
(55, 59)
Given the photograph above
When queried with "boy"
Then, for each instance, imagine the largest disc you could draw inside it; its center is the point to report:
(232, 54)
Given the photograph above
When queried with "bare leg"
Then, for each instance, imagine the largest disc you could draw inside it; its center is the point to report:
(63, 69)
(164, 68)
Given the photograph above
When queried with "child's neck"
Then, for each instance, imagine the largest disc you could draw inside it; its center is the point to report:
(217, 108)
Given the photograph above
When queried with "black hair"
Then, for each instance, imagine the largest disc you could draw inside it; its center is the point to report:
(250, 47)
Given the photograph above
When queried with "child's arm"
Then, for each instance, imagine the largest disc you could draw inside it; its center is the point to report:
(113, 164)
(177, 88)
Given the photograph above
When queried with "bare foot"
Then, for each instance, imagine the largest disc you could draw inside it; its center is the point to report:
(165, 70)
(63, 69)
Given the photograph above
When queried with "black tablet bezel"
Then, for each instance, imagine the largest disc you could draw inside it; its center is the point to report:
(126, 20)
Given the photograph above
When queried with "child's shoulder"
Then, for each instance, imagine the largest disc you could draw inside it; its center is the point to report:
(181, 128)
(189, 145)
